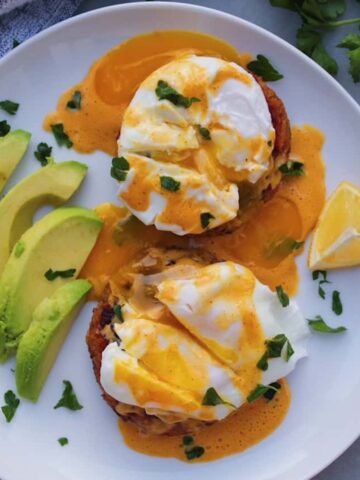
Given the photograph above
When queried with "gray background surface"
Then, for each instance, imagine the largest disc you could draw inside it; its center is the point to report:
(284, 24)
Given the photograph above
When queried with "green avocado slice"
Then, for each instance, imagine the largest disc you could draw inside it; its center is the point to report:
(12, 149)
(53, 184)
(41, 343)
(60, 241)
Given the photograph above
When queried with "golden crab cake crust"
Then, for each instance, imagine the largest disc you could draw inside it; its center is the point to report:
(100, 335)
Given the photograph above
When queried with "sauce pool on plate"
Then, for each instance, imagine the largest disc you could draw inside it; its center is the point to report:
(267, 242)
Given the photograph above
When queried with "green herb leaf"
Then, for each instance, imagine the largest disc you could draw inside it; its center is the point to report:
(63, 441)
(292, 168)
(296, 245)
(15, 43)
(169, 183)
(323, 273)
(325, 60)
(69, 399)
(282, 248)
(319, 325)
(332, 9)
(282, 296)
(270, 394)
(187, 440)
(204, 132)
(261, 390)
(9, 107)
(307, 39)
(61, 136)
(205, 219)
(4, 128)
(288, 4)
(352, 43)
(75, 102)
(120, 168)
(118, 313)
(11, 404)
(194, 452)
(212, 398)
(51, 274)
(43, 153)
(274, 348)
(336, 303)
(262, 67)
(321, 292)
(165, 92)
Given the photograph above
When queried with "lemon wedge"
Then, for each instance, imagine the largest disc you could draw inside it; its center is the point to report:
(336, 239)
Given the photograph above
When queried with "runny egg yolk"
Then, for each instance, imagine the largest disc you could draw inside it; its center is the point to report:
(226, 316)
(222, 135)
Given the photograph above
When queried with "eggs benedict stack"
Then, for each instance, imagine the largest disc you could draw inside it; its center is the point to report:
(183, 341)
(201, 139)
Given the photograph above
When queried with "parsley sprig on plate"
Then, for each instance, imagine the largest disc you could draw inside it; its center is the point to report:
(317, 17)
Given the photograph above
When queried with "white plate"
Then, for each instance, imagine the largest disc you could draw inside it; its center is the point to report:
(323, 419)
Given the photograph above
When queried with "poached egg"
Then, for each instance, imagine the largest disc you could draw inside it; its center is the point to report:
(222, 321)
(204, 123)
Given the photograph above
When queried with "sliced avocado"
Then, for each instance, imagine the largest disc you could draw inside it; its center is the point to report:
(60, 241)
(53, 184)
(41, 343)
(12, 149)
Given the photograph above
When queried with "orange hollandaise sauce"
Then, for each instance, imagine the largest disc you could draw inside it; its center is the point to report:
(249, 425)
(264, 243)
(112, 81)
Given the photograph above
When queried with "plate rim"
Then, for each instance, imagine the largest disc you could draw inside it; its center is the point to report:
(140, 6)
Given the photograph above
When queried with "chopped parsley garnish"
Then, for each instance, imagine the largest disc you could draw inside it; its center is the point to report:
(119, 169)
(192, 451)
(53, 274)
(205, 219)
(262, 67)
(204, 132)
(4, 128)
(292, 168)
(15, 43)
(43, 153)
(262, 390)
(212, 398)
(118, 313)
(188, 440)
(169, 183)
(63, 441)
(75, 102)
(282, 296)
(336, 303)
(69, 399)
(11, 404)
(165, 92)
(296, 245)
(270, 143)
(319, 325)
(321, 292)
(61, 137)
(274, 349)
(270, 394)
(9, 107)
(316, 275)
(282, 248)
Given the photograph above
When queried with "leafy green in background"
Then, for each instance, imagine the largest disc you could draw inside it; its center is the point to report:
(317, 17)
(352, 43)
